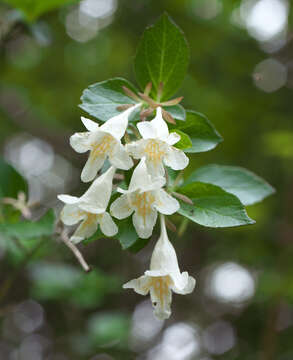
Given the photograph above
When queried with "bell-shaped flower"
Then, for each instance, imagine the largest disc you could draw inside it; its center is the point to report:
(90, 209)
(163, 277)
(102, 142)
(156, 146)
(145, 197)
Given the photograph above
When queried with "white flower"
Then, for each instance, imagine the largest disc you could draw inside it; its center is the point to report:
(90, 208)
(145, 197)
(156, 146)
(164, 275)
(103, 141)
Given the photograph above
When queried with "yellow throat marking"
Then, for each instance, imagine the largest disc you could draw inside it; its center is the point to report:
(103, 147)
(143, 203)
(154, 151)
(161, 286)
(91, 218)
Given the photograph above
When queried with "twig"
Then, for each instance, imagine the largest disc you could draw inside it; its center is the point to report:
(75, 251)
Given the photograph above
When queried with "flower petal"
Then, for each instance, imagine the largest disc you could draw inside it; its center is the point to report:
(108, 227)
(161, 300)
(173, 138)
(96, 198)
(85, 230)
(71, 214)
(136, 148)
(140, 285)
(141, 179)
(155, 168)
(80, 142)
(121, 207)
(144, 225)
(146, 130)
(120, 158)
(89, 124)
(165, 203)
(155, 129)
(160, 125)
(68, 199)
(188, 288)
(176, 159)
(116, 126)
(92, 166)
(164, 257)
(156, 273)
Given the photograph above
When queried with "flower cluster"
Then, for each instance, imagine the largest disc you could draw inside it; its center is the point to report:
(144, 198)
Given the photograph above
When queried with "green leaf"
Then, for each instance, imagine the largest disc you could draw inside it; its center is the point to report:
(11, 182)
(30, 229)
(34, 8)
(128, 237)
(174, 176)
(204, 136)
(102, 99)
(185, 141)
(248, 187)
(177, 111)
(213, 206)
(162, 56)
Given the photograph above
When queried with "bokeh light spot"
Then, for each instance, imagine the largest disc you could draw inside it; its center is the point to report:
(230, 282)
(270, 75)
(180, 341)
(219, 338)
(265, 18)
(28, 316)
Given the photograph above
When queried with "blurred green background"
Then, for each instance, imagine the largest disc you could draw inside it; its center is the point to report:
(241, 77)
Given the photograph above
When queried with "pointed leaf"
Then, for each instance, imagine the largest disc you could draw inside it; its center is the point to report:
(177, 111)
(184, 142)
(102, 99)
(247, 186)
(212, 206)
(202, 133)
(162, 57)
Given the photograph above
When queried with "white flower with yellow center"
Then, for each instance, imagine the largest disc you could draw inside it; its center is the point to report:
(145, 197)
(163, 277)
(90, 209)
(102, 142)
(156, 146)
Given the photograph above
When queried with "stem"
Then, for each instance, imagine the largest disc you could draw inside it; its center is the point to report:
(183, 226)
(178, 178)
(163, 226)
